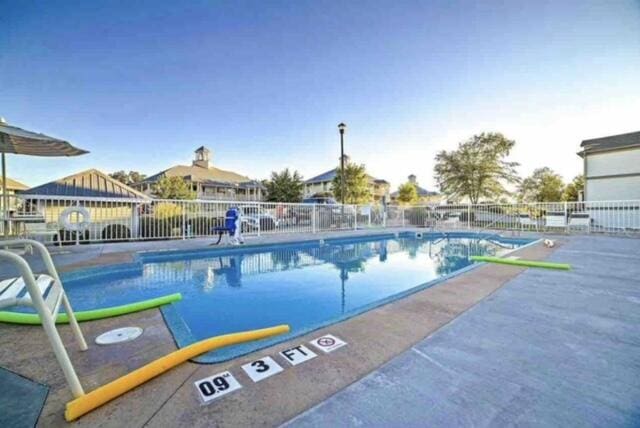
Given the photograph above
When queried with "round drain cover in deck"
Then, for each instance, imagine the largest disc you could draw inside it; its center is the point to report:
(119, 335)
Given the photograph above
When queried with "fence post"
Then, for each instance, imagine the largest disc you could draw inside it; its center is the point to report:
(402, 216)
(566, 218)
(79, 229)
(313, 218)
(469, 216)
(384, 216)
(184, 221)
(355, 217)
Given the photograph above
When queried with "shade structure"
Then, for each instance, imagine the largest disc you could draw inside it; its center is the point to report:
(22, 142)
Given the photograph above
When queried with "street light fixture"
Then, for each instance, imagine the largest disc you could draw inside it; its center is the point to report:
(341, 128)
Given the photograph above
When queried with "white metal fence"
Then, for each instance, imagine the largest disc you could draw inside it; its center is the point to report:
(612, 217)
(79, 220)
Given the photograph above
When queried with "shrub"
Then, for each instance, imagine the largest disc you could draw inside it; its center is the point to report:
(166, 210)
(464, 216)
(199, 226)
(70, 237)
(116, 232)
(416, 216)
(152, 227)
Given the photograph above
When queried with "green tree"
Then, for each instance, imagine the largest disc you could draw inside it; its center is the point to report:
(173, 188)
(136, 177)
(356, 184)
(573, 189)
(544, 185)
(284, 187)
(407, 193)
(477, 168)
(121, 176)
(128, 178)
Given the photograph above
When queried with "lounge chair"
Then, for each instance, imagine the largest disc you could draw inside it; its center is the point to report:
(526, 221)
(452, 220)
(41, 232)
(430, 222)
(580, 220)
(555, 219)
(45, 294)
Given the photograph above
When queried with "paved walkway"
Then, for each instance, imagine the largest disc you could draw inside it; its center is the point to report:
(550, 348)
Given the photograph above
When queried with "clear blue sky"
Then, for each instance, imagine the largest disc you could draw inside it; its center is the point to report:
(263, 84)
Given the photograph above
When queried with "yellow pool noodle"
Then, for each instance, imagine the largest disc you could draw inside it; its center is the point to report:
(101, 395)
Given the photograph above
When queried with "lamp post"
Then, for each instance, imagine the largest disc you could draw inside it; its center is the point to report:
(341, 128)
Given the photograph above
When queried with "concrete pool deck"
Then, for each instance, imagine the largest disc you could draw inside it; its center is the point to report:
(374, 338)
(550, 348)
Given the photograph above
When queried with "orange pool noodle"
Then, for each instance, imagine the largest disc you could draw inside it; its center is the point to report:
(99, 396)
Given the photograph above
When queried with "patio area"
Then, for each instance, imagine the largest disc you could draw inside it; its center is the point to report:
(498, 345)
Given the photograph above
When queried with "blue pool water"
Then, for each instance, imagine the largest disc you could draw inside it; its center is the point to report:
(306, 285)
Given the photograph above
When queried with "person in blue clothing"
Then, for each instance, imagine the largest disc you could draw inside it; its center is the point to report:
(233, 221)
(232, 227)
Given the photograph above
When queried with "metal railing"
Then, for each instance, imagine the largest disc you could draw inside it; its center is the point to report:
(78, 220)
(611, 217)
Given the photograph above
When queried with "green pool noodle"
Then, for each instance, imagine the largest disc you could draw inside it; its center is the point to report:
(95, 314)
(520, 262)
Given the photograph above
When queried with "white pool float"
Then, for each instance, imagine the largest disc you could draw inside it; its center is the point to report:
(81, 226)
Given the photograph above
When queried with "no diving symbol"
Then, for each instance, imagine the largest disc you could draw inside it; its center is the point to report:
(326, 341)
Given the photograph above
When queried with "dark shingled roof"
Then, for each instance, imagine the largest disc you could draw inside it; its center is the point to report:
(330, 175)
(614, 142)
(422, 192)
(90, 183)
(325, 176)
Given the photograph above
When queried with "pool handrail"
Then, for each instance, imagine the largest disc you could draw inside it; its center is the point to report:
(47, 309)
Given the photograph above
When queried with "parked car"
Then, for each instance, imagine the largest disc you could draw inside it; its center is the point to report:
(255, 215)
(304, 216)
(329, 213)
(324, 200)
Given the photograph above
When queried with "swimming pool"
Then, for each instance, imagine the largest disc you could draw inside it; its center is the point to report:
(305, 284)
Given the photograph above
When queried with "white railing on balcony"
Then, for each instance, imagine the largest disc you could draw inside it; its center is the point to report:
(228, 197)
(110, 219)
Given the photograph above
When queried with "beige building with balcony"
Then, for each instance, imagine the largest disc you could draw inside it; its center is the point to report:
(612, 167)
(208, 181)
(321, 184)
(13, 187)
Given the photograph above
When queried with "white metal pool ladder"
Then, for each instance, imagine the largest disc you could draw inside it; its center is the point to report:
(44, 293)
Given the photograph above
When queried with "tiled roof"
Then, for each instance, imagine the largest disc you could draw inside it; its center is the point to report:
(89, 183)
(614, 142)
(198, 174)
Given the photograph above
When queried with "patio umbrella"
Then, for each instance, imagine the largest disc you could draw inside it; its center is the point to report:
(21, 142)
